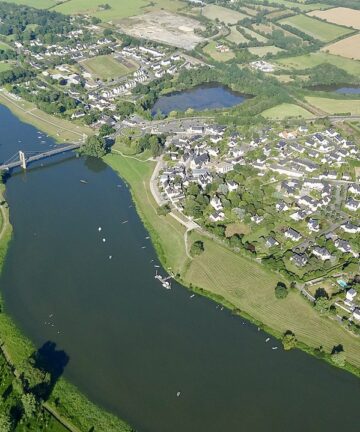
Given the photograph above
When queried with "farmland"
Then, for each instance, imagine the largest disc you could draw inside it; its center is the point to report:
(40, 4)
(340, 15)
(236, 37)
(315, 59)
(348, 47)
(211, 50)
(225, 15)
(322, 31)
(264, 50)
(335, 106)
(285, 110)
(106, 67)
(302, 6)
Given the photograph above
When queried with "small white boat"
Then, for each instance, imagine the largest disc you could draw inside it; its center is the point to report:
(143, 247)
(267, 340)
(104, 240)
(274, 348)
(83, 181)
(110, 256)
(178, 394)
(99, 229)
(124, 222)
(192, 296)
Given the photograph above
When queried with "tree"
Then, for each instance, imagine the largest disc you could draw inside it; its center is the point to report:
(197, 248)
(5, 424)
(281, 291)
(163, 210)
(94, 146)
(29, 404)
(338, 356)
(289, 340)
(322, 305)
(106, 130)
(125, 109)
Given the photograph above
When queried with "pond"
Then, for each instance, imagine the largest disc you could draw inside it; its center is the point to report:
(200, 98)
(342, 89)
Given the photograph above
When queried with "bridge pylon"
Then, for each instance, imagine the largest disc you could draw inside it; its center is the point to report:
(22, 158)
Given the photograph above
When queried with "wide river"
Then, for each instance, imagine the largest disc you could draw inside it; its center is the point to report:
(132, 344)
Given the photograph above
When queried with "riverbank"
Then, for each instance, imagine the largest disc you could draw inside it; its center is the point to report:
(237, 282)
(65, 401)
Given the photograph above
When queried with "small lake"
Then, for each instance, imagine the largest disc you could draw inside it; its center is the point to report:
(337, 89)
(132, 344)
(200, 98)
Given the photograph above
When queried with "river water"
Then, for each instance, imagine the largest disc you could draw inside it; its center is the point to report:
(200, 98)
(132, 344)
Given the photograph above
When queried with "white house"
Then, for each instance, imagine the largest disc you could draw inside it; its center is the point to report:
(321, 253)
(352, 205)
(292, 234)
(216, 203)
(351, 294)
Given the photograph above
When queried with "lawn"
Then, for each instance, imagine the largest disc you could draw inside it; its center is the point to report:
(5, 46)
(228, 16)
(118, 8)
(244, 284)
(314, 59)
(322, 31)
(264, 50)
(335, 106)
(210, 49)
(106, 67)
(5, 66)
(285, 110)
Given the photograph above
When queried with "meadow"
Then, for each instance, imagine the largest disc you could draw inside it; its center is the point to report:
(314, 59)
(320, 30)
(284, 110)
(335, 106)
(225, 15)
(236, 37)
(211, 50)
(302, 6)
(264, 50)
(39, 4)
(5, 66)
(348, 47)
(106, 67)
(340, 15)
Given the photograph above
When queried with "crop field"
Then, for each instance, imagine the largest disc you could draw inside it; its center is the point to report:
(225, 15)
(348, 47)
(284, 110)
(118, 8)
(269, 28)
(317, 29)
(340, 15)
(210, 49)
(106, 67)
(314, 59)
(236, 37)
(39, 4)
(335, 106)
(255, 35)
(302, 6)
(264, 50)
(278, 14)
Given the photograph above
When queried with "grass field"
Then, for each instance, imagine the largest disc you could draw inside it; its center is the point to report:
(255, 35)
(236, 37)
(314, 59)
(106, 67)
(5, 46)
(61, 130)
(39, 4)
(4, 66)
(335, 106)
(348, 47)
(228, 16)
(262, 51)
(118, 8)
(285, 110)
(241, 282)
(303, 7)
(317, 29)
(210, 49)
(340, 15)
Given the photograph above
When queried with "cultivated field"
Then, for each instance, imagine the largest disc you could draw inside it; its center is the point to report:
(348, 47)
(225, 15)
(317, 29)
(165, 27)
(340, 15)
(236, 37)
(107, 67)
(118, 8)
(314, 59)
(262, 51)
(303, 7)
(255, 35)
(335, 106)
(284, 110)
(210, 49)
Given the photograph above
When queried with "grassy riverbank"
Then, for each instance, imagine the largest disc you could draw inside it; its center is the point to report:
(238, 282)
(65, 401)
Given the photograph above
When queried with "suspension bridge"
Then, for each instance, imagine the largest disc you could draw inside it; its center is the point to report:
(23, 159)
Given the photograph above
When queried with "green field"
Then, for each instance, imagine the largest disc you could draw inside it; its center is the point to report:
(335, 106)
(314, 59)
(240, 282)
(285, 110)
(228, 16)
(255, 35)
(303, 7)
(320, 30)
(236, 37)
(264, 50)
(5, 46)
(106, 67)
(210, 49)
(39, 4)
(5, 66)
(118, 8)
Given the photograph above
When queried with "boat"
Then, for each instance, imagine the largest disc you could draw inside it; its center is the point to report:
(192, 296)
(124, 222)
(267, 340)
(274, 348)
(83, 181)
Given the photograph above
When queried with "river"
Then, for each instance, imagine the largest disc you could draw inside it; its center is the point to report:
(132, 344)
(199, 98)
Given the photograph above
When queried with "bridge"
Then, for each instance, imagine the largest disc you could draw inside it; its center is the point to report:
(23, 159)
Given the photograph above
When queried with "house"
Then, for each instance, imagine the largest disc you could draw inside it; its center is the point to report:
(321, 253)
(232, 186)
(216, 203)
(271, 242)
(224, 167)
(217, 216)
(313, 225)
(299, 215)
(288, 135)
(292, 234)
(299, 260)
(257, 219)
(354, 188)
(308, 202)
(352, 205)
(281, 206)
(356, 314)
(350, 228)
(199, 130)
(345, 247)
(351, 294)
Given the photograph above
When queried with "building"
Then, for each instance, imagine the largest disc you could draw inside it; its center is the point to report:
(321, 253)
(292, 234)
